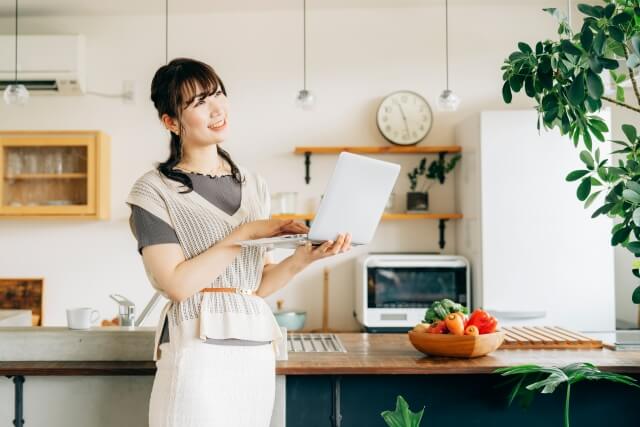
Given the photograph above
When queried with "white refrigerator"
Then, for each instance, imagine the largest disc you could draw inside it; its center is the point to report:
(537, 257)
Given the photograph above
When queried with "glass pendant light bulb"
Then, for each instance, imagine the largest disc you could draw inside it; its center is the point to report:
(448, 101)
(16, 94)
(305, 100)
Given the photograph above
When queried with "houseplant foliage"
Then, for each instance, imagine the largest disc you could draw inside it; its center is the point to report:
(402, 416)
(546, 380)
(565, 78)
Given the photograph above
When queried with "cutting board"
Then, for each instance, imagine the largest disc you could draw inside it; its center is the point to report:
(545, 337)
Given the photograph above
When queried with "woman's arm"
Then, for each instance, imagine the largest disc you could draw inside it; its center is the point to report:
(179, 278)
(276, 276)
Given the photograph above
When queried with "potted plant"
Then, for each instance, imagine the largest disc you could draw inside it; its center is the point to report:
(437, 169)
(402, 416)
(564, 77)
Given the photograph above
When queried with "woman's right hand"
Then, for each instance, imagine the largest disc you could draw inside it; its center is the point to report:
(272, 228)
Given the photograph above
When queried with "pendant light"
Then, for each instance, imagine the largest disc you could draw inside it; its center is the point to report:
(447, 101)
(305, 99)
(16, 94)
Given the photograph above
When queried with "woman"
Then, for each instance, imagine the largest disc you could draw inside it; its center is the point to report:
(216, 340)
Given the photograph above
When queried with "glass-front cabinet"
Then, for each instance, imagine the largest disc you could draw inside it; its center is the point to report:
(54, 174)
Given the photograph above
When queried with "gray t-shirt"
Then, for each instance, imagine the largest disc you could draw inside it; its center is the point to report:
(223, 192)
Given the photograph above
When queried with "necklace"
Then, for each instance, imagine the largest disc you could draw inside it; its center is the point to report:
(212, 173)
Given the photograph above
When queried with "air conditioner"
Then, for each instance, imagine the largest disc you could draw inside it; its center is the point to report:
(47, 64)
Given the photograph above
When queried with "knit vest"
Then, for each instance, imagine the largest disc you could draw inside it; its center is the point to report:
(199, 225)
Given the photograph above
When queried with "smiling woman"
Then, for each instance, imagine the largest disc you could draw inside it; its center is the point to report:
(216, 339)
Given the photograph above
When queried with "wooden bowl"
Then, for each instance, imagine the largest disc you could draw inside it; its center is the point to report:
(456, 345)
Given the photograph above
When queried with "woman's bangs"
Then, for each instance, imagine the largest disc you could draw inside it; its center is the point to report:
(201, 82)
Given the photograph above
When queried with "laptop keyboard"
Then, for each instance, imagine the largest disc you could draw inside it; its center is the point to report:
(294, 236)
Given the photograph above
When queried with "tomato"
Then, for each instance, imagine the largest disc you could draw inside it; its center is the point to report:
(455, 324)
(439, 327)
(471, 330)
(485, 323)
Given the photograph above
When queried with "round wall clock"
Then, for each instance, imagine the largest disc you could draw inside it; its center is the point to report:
(404, 118)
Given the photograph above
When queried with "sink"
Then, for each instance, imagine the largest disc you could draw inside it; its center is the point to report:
(62, 344)
(314, 343)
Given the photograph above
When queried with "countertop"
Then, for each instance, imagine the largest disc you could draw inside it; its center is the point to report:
(367, 354)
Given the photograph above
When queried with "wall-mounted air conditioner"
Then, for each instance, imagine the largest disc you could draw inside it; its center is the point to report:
(47, 64)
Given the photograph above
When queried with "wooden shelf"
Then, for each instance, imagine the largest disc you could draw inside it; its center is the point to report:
(414, 149)
(385, 217)
(48, 176)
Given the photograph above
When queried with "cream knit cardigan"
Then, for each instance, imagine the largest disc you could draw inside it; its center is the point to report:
(199, 225)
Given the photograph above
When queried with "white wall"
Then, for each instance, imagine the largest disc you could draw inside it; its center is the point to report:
(355, 57)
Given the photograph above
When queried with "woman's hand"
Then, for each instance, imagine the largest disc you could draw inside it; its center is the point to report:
(306, 254)
(272, 228)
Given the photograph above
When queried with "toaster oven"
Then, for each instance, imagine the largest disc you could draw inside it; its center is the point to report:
(393, 291)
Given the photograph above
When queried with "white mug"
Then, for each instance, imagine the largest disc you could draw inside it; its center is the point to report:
(81, 318)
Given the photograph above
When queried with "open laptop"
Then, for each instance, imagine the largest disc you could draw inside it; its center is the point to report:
(353, 202)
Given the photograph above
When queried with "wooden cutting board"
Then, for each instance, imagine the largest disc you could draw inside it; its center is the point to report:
(547, 337)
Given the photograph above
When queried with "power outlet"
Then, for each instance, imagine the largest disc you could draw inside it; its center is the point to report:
(129, 91)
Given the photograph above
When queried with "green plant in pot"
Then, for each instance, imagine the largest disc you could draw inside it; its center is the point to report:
(565, 78)
(435, 172)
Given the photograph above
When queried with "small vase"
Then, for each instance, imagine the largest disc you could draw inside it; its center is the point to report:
(417, 201)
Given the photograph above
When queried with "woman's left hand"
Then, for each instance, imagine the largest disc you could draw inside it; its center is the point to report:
(306, 254)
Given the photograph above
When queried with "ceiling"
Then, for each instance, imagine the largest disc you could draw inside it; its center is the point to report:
(153, 7)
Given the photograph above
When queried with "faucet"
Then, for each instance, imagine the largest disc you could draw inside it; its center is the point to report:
(126, 310)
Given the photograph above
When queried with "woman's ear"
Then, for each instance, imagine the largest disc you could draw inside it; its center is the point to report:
(170, 123)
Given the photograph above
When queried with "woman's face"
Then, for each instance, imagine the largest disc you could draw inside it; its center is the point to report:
(205, 119)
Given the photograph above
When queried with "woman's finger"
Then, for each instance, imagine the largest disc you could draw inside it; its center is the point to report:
(338, 245)
(347, 243)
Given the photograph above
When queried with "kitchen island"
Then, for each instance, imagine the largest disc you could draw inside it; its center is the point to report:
(352, 388)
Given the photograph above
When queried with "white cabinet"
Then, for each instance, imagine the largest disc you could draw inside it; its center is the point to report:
(536, 255)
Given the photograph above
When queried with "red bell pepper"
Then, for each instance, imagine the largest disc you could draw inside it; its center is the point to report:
(439, 327)
(485, 323)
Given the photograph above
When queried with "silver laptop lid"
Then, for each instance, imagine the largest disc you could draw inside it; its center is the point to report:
(354, 199)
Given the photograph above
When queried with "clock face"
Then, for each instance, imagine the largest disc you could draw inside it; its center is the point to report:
(404, 118)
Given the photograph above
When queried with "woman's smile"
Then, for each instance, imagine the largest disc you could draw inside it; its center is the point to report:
(219, 124)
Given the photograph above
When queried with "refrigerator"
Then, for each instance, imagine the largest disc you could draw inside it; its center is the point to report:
(537, 257)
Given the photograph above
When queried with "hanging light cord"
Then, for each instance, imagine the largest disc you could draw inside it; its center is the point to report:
(166, 32)
(446, 37)
(304, 43)
(15, 75)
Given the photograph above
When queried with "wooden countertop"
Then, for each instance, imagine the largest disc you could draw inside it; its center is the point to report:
(367, 354)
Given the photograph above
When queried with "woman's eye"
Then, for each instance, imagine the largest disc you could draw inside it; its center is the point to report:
(200, 102)
(218, 93)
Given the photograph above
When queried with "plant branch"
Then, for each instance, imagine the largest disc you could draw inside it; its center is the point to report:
(622, 104)
(631, 76)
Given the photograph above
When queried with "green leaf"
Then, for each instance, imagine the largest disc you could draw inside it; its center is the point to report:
(602, 209)
(529, 88)
(609, 9)
(576, 91)
(595, 65)
(587, 140)
(569, 47)
(616, 33)
(599, 124)
(636, 217)
(634, 247)
(587, 10)
(631, 196)
(586, 38)
(621, 18)
(584, 189)
(619, 94)
(609, 64)
(586, 157)
(630, 133)
(598, 42)
(576, 175)
(524, 48)
(402, 416)
(516, 82)
(635, 297)
(635, 43)
(591, 198)
(634, 186)
(594, 85)
(620, 235)
(506, 93)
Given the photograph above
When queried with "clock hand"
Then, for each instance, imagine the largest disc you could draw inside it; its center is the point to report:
(406, 126)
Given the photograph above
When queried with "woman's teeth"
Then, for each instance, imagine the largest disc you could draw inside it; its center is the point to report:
(218, 124)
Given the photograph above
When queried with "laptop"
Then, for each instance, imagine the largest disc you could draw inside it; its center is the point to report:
(353, 202)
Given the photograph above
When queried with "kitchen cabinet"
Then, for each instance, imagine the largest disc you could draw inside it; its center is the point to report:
(537, 257)
(54, 174)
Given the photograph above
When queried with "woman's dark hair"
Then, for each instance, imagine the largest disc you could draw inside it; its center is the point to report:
(173, 88)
